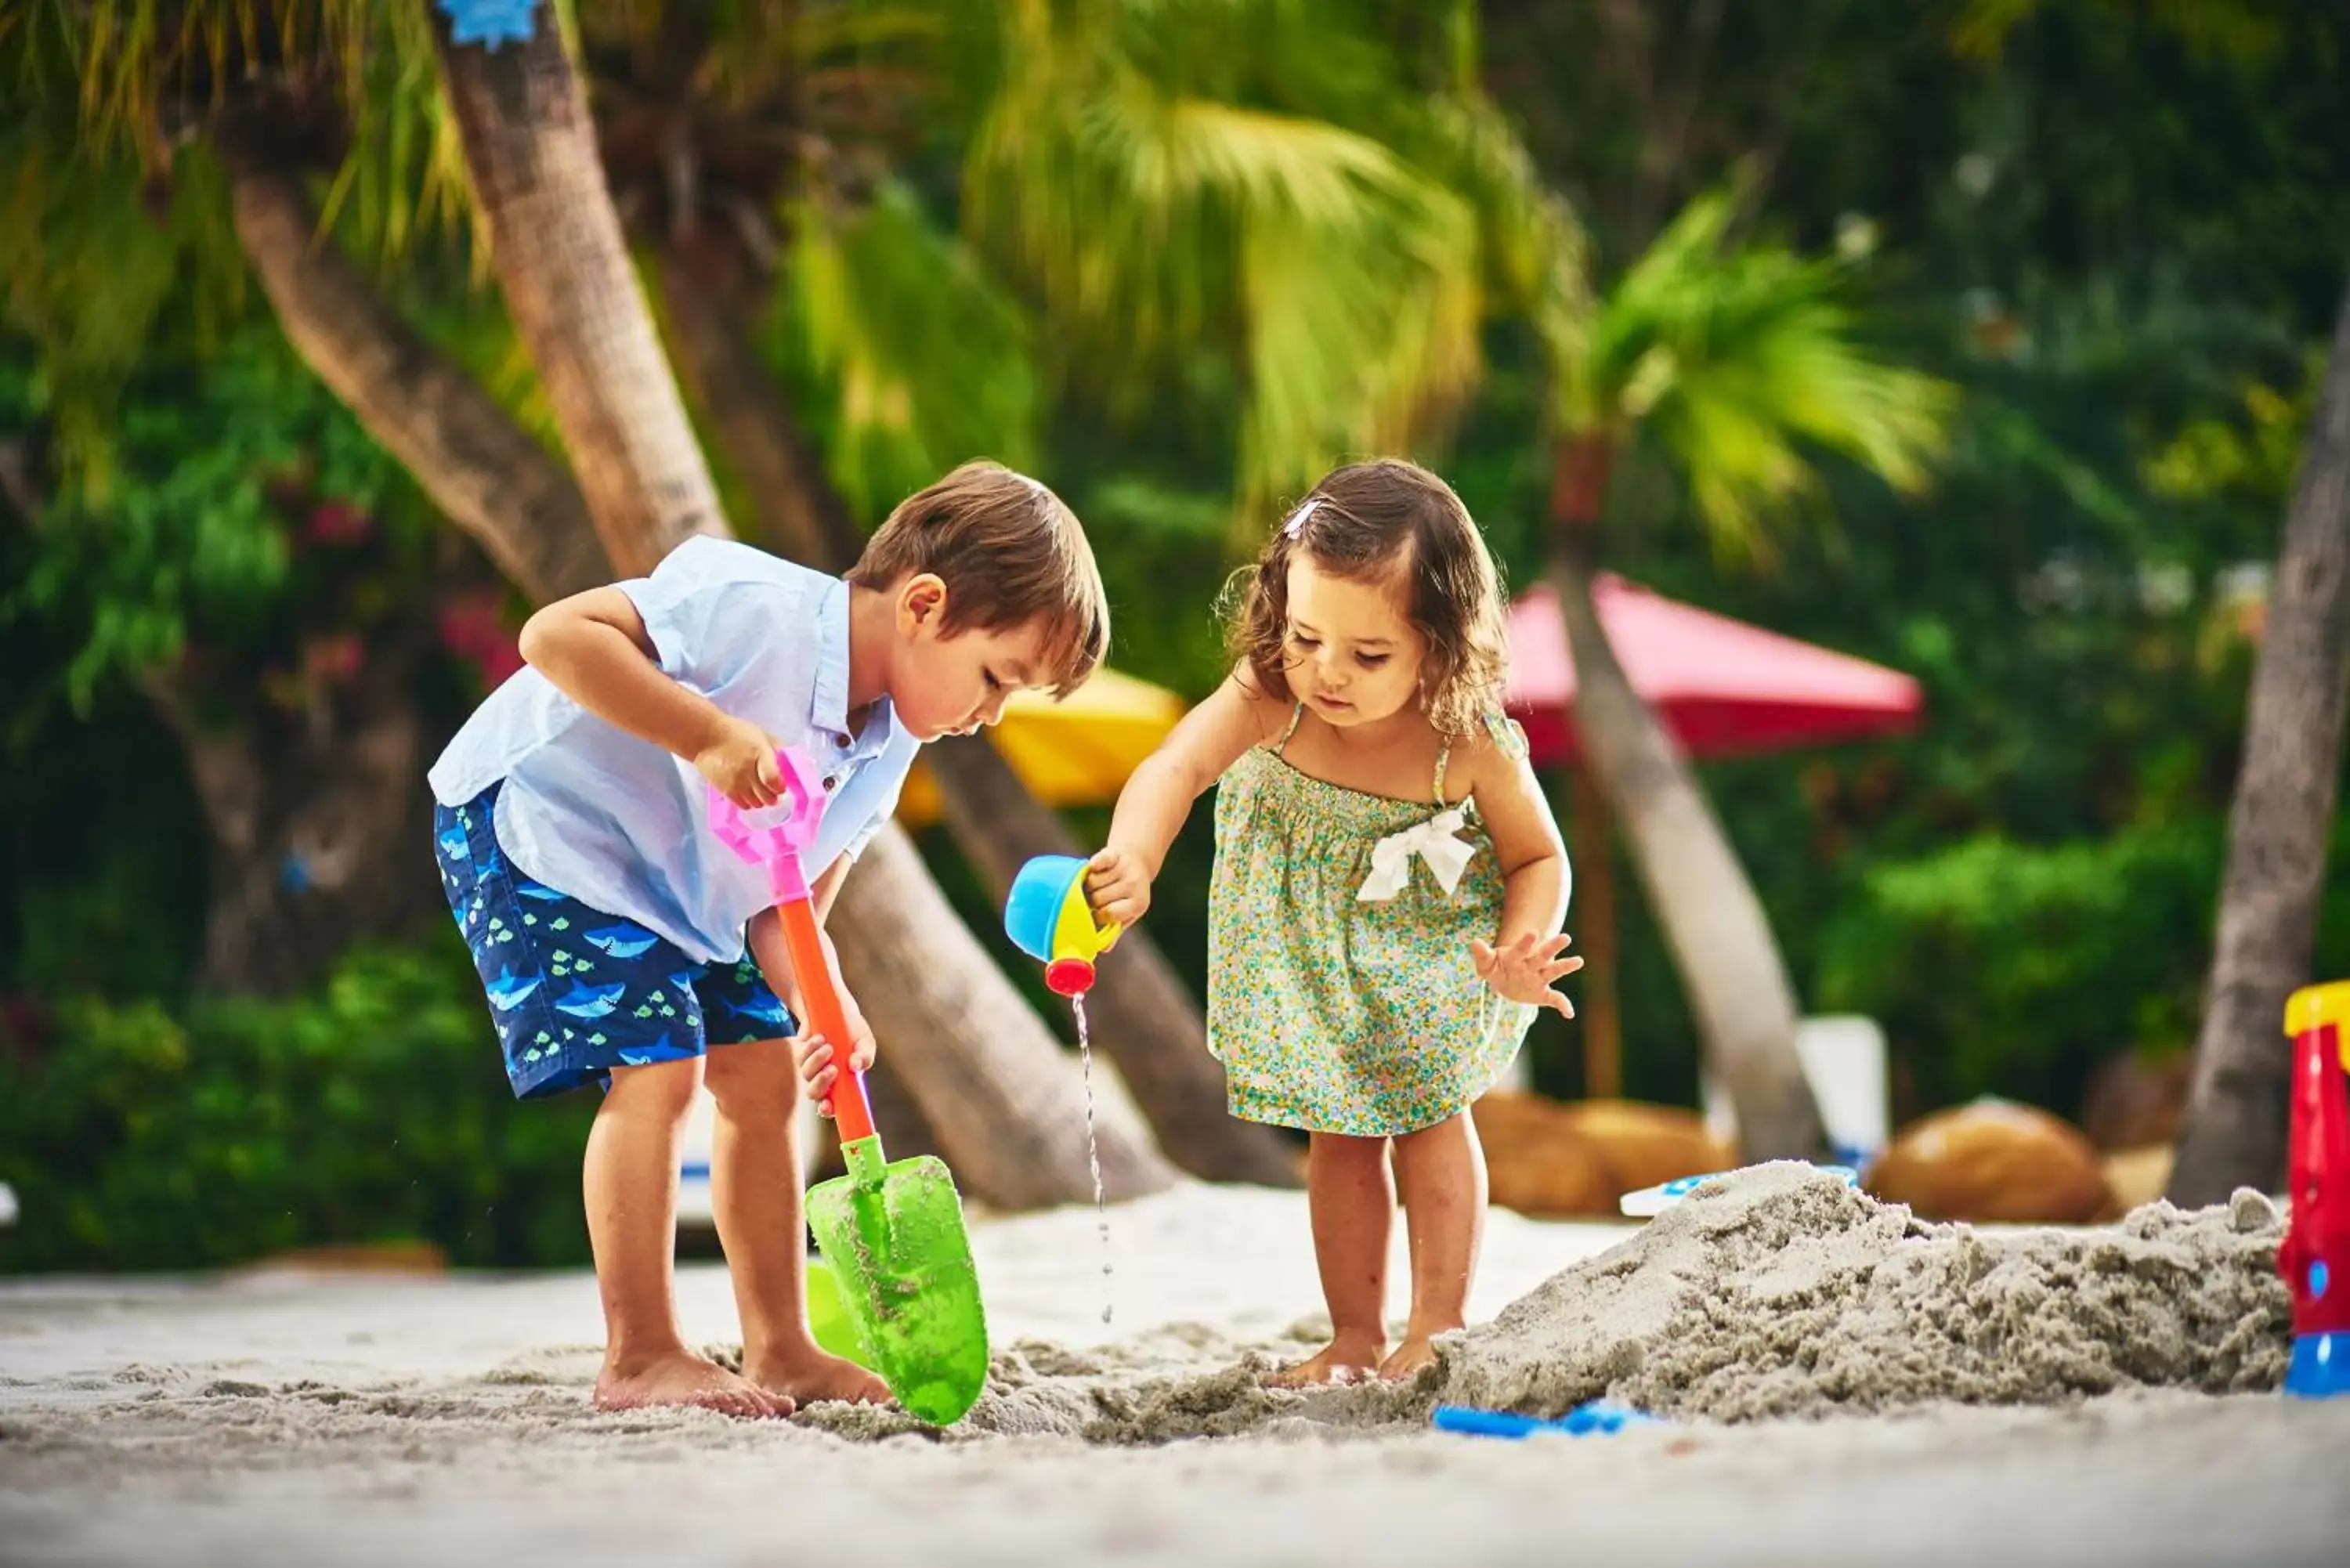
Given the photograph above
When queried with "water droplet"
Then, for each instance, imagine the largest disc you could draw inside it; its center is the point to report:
(1093, 1146)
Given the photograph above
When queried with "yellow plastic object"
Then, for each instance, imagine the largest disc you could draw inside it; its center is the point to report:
(1074, 934)
(2313, 1007)
(1075, 752)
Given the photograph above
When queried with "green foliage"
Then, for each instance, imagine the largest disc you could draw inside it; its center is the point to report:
(102, 880)
(2010, 969)
(917, 356)
(2014, 969)
(1738, 362)
(1236, 175)
(375, 1109)
(96, 276)
(189, 525)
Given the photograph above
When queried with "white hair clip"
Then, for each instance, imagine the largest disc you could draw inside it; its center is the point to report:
(1297, 523)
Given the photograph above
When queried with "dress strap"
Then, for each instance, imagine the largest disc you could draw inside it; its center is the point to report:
(1297, 714)
(1506, 733)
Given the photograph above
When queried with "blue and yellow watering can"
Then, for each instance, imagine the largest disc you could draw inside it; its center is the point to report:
(1047, 917)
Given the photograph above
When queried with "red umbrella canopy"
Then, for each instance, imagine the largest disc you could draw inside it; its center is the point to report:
(1723, 688)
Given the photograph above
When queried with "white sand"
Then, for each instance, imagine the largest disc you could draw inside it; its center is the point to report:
(257, 1420)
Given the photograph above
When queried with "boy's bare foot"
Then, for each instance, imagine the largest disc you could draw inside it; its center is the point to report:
(810, 1377)
(1347, 1359)
(681, 1377)
(1413, 1353)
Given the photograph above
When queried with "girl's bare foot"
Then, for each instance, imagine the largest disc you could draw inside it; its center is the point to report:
(1415, 1353)
(681, 1377)
(810, 1377)
(1349, 1358)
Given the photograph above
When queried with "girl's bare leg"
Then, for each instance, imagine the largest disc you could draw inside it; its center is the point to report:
(1352, 1197)
(1441, 1171)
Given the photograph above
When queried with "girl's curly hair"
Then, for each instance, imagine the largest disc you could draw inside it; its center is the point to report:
(1376, 521)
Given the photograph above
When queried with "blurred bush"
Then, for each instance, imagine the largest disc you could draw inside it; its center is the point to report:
(372, 1109)
(2013, 968)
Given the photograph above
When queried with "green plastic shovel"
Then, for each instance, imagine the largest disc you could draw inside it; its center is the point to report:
(892, 1234)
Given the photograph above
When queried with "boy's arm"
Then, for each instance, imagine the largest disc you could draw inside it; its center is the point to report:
(765, 938)
(827, 889)
(594, 649)
(1159, 795)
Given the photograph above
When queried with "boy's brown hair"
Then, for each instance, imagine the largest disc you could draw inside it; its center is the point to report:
(1010, 553)
(1389, 521)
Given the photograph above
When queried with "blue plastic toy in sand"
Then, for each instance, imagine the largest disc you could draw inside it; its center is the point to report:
(1047, 917)
(1599, 1418)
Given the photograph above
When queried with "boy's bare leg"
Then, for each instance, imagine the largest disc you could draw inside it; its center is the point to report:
(1442, 1170)
(754, 1195)
(630, 1182)
(1352, 1197)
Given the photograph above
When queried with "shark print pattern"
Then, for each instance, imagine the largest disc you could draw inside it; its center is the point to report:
(575, 992)
(623, 941)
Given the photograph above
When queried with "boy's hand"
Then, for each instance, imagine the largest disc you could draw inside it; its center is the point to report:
(817, 1057)
(1527, 970)
(740, 764)
(1118, 886)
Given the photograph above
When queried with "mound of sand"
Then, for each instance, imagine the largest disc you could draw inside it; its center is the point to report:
(1786, 1292)
(1779, 1293)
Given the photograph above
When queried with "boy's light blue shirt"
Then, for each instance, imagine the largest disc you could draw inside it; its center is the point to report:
(622, 825)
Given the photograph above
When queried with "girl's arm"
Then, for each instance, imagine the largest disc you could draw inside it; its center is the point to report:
(1523, 961)
(1159, 797)
(594, 647)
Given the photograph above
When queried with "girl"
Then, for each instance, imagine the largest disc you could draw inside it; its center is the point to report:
(1383, 913)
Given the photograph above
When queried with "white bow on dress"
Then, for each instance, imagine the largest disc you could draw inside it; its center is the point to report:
(1433, 842)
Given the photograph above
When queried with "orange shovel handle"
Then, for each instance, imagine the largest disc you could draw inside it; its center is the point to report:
(852, 1113)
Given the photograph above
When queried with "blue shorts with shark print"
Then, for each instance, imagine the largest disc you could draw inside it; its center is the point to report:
(576, 992)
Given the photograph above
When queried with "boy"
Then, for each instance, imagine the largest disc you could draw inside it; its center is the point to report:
(620, 943)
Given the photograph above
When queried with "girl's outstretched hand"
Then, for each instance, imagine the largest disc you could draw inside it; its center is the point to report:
(1118, 886)
(1528, 970)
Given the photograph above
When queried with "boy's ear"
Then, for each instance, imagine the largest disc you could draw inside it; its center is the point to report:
(921, 603)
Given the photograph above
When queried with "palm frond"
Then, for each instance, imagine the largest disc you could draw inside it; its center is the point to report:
(142, 73)
(927, 360)
(1154, 218)
(1745, 363)
(89, 274)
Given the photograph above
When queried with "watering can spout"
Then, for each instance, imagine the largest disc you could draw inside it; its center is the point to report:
(1047, 917)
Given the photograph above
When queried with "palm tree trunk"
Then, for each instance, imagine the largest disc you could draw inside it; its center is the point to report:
(313, 824)
(488, 475)
(2278, 829)
(1599, 1014)
(530, 145)
(1720, 941)
(1143, 1016)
